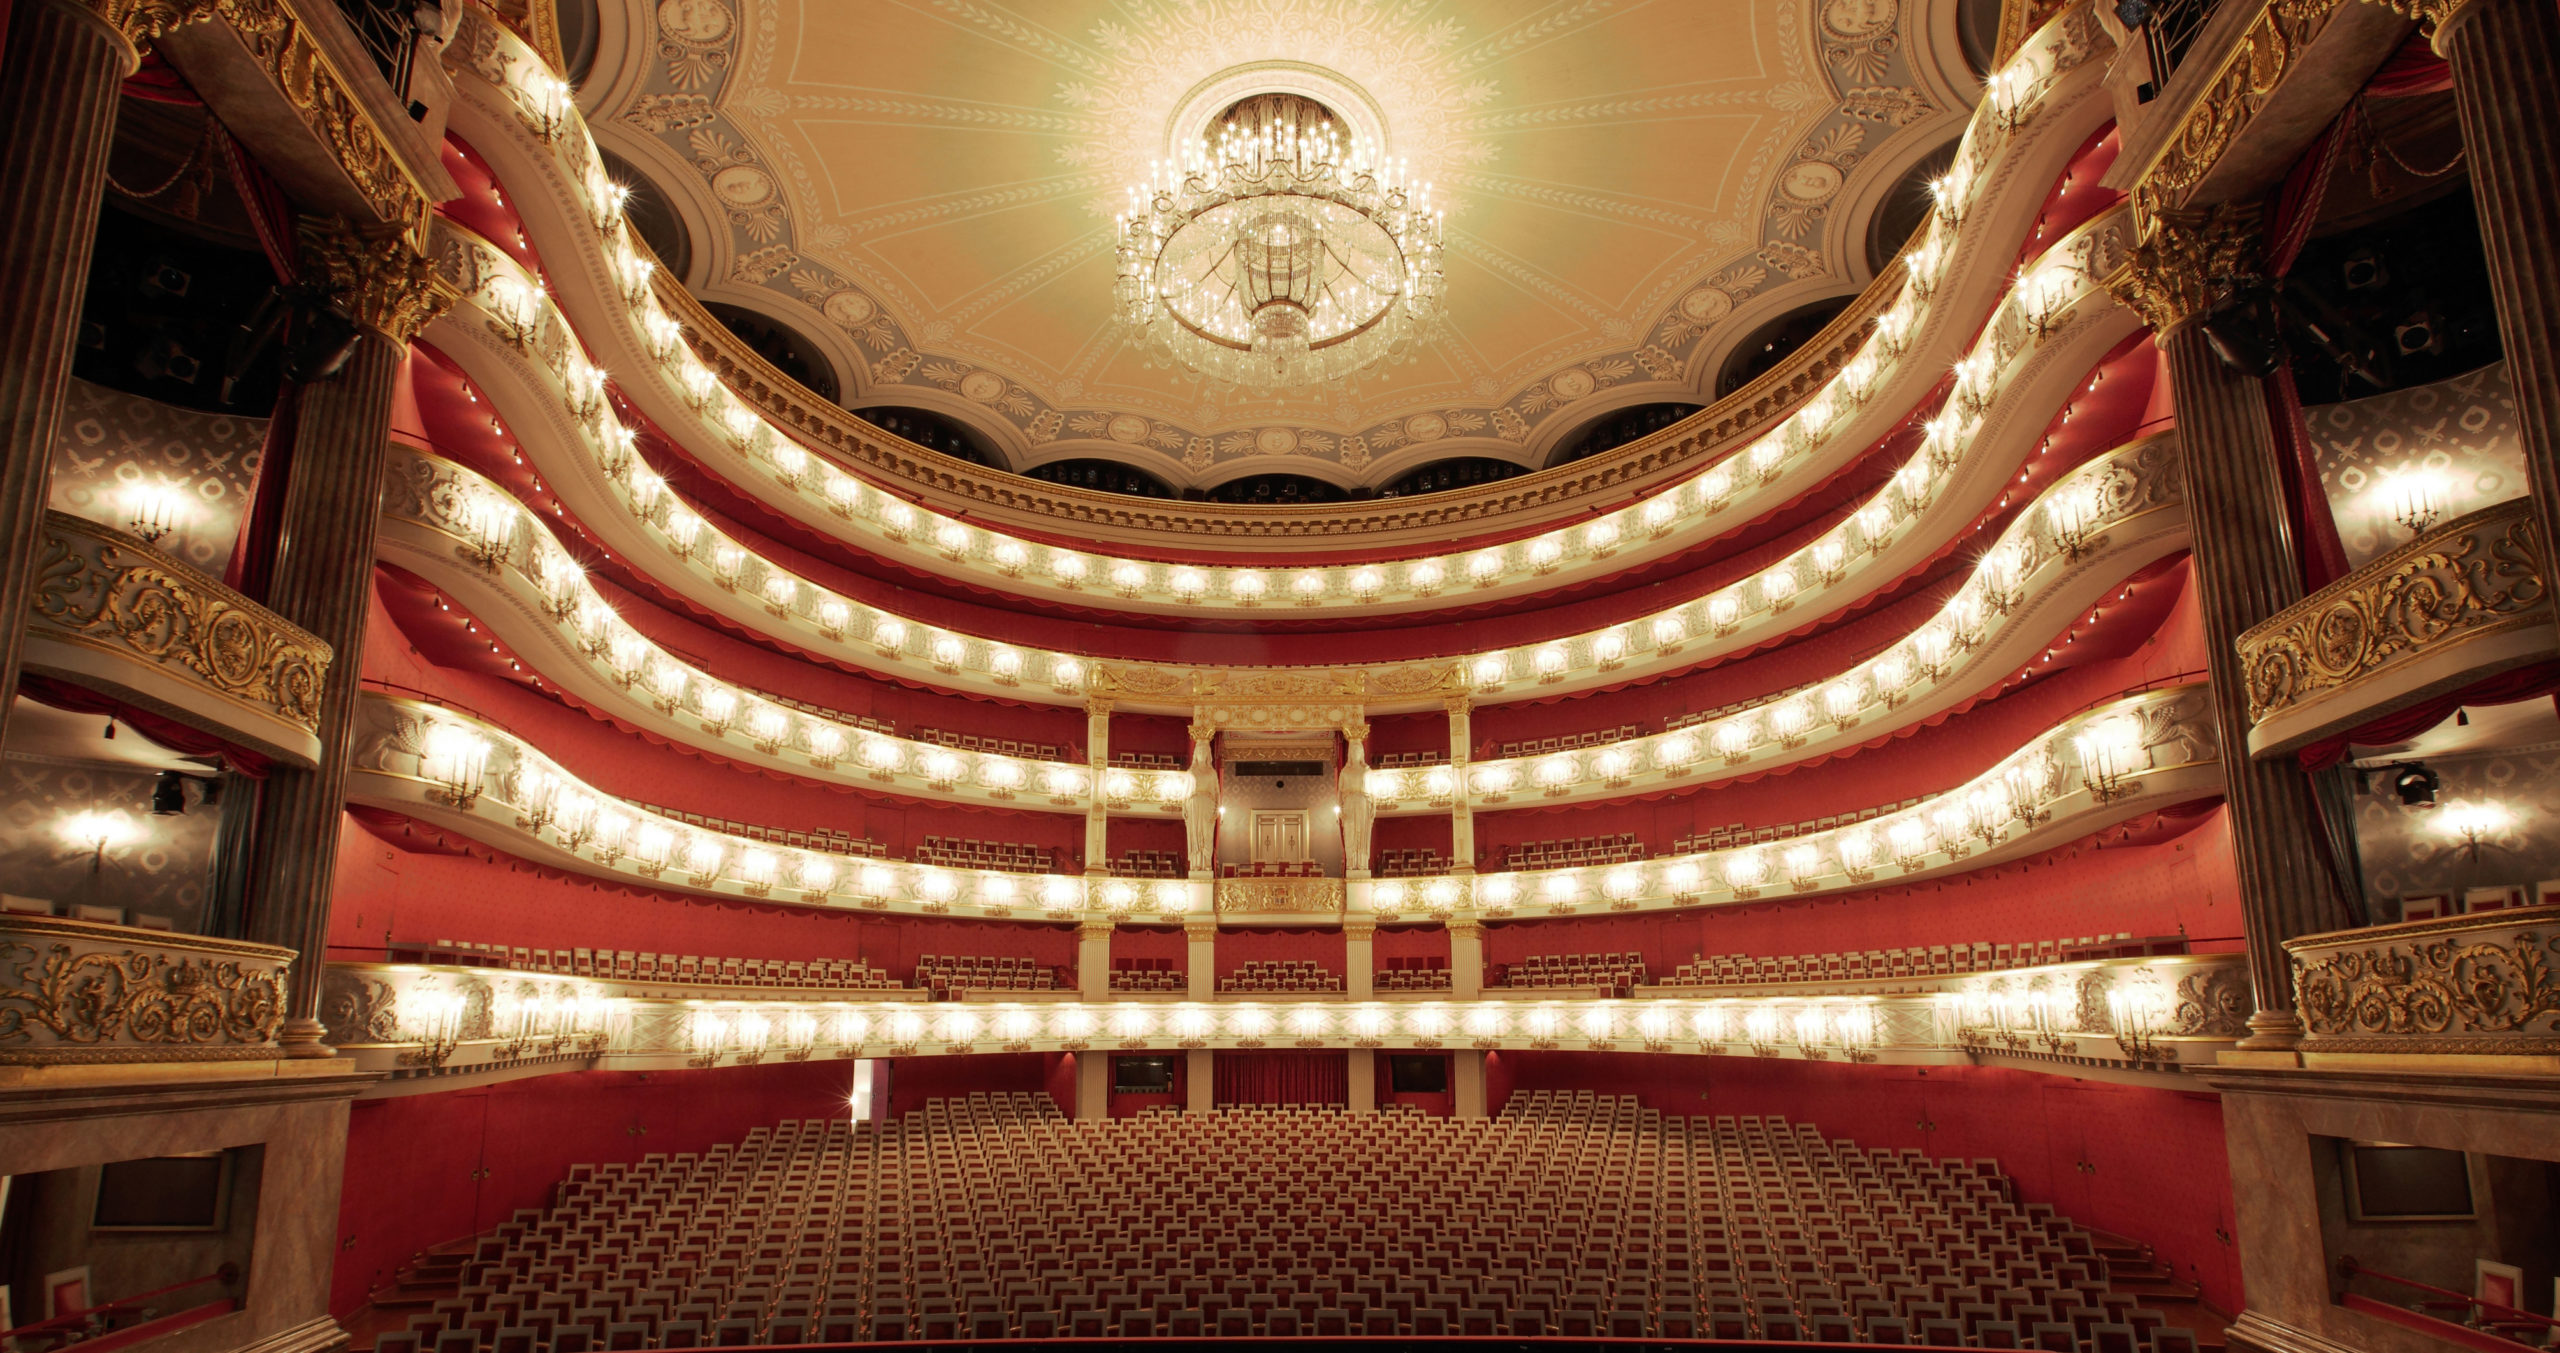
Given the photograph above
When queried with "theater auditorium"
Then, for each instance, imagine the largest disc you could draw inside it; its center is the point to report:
(750, 674)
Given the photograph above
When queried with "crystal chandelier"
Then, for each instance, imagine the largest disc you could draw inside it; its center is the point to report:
(1283, 255)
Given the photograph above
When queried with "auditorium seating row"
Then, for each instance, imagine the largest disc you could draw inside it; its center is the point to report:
(827, 840)
(1406, 864)
(1575, 742)
(993, 1217)
(943, 974)
(1146, 761)
(1620, 973)
(1272, 974)
(1410, 760)
(1725, 838)
(1149, 864)
(1574, 854)
(862, 721)
(970, 742)
(958, 852)
(1148, 975)
(1934, 961)
(1413, 974)
(625, 965)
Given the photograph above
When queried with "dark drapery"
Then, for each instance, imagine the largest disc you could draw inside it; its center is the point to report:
(1283, 1078)
(184, 739)
(2533, 682)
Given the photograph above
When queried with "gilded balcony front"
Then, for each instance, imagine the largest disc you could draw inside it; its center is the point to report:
(87, 991)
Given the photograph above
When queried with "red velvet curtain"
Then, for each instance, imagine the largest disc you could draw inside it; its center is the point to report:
(2321, 557)
(1283, 1078)
(2535, 682)
(185, 739)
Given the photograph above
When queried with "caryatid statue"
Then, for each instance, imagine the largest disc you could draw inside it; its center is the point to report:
(1200, 811)
(1358, 809)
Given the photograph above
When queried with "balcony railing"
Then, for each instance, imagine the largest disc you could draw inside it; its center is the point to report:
(110, 611)
(2483, 984)
(85, 991)
(2149, 1015)
(2461, 602)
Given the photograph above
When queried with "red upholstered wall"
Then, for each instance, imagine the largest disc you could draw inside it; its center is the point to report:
(1408, 941)
(411, 1159)
(915, 1080)
(2159, 1172)
(1152, 941)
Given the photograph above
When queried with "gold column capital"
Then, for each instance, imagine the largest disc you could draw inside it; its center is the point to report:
(140, 21)
(1457, 705)
(2435, 16)
(1466, 930)
(2180, 268)
(1094, 930)
(1098, 706)
(1359, 931)
(375, 276)
(1200, 931)
(1202, 730)
(1356, 730)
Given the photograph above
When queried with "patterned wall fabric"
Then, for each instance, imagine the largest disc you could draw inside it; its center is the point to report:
(112, 442)
(160, 869)
(2463, 430)
(2407, 852)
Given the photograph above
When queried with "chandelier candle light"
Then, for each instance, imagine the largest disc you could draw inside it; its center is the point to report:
(1284, 255)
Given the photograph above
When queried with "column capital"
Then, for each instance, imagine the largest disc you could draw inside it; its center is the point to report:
(1200, 931)
(376, 277)
(1202, 730)
(140, 21)
(1094, 930)
(2434, 16)
(1097, 705)
(1362, 931)
(1457, 705)
(2184, 264)
(1356, 730)
(1468, 930)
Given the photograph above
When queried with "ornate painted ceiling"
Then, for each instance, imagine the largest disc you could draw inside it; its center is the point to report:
(925, 189)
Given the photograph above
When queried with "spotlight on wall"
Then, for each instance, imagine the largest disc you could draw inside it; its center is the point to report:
(169, 794)
(2243, 331)
(2416, 785)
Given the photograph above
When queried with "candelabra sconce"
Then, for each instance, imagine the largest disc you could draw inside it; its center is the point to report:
(2414, 498)
(2138, 1016)
(432, 1018)
(2474, 823)
(455, 765)
(2073, 519)
(155, 509)
(548, 102)
(515, 313)
(2111, 759)
(2046, 1024)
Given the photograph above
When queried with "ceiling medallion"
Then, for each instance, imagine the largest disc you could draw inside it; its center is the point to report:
(1283, 255)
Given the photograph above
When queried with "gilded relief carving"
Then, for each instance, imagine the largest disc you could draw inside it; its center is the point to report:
(2472, 984)
(377, 278)
(1320, 897)
(74, 992)
(2480, 574)
(2241, 87)
(98, 586)
(2175, 274)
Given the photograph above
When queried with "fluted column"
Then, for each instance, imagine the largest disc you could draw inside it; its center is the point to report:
(1200, 959)
(1462, 815)
(1359, 960)
(2505, 56)
(324, 582)
(1466, 960)
(1362, 1066)
(2244, 573)
(58, 82)
(1093, 960)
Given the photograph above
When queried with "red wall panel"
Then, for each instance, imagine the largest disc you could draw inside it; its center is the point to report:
(1239, 946)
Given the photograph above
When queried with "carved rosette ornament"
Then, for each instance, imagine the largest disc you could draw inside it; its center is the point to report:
(99, 587)
(77, 992)
(2186, 263)
(2471, 984)
(376, 277)
(2478, 575)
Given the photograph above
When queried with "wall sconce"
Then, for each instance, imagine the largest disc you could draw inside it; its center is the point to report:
(455, 763)
(2414, 498)
(2111, 755)
(432, 1018)
(154, 509)
(2139, 1014)
(2474, 822)
(95, 832)
(1855, 1027)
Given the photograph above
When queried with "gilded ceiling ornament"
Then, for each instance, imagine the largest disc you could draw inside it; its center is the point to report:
(376, 277)
(2183, 268)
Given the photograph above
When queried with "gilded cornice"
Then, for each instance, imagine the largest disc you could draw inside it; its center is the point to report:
(377, 277)
(99, 587)
(1295, 897)
(1277, 698)
(2478, 575)
(2464, 985)
(2267, 52)
(2181, 269)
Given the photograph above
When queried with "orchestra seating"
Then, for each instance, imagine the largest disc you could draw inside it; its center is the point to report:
(1406, 864)
(1281, 975)
(1580, 1215)
(957, 852)
(943, 974)
(1413, 974)
(624, 965)
(1617, 972)
(1935, 961)
(827, 840)
(970, 742)
(1148, 975)
(1575, 853)
(1149, 864)
(1598, 737)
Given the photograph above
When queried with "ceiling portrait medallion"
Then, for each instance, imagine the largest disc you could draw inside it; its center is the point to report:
(928, 190)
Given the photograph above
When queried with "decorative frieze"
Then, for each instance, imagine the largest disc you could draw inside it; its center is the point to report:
(1291, 897)
(2481, 984)
(84, 991)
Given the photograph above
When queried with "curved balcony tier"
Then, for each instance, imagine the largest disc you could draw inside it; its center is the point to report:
(1845, 390)
(2024, 365)
(2156, 1014)
(2094, 769)
(2476, 985)
(86, 991)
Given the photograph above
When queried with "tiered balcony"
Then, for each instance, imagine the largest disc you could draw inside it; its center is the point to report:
(89, 992)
